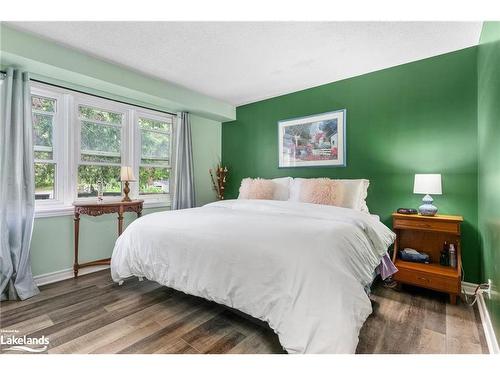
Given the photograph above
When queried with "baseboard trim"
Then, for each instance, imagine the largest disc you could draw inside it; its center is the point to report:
(53, 277)
(489, 333)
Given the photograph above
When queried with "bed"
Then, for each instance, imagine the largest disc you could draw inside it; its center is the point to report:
(300, 267)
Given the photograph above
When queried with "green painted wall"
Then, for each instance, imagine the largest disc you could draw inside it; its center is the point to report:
(207, 140)
(414, 118)
(489, 161)
(52, 241)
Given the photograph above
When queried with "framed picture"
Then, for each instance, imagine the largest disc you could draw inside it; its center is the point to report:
(313, 141)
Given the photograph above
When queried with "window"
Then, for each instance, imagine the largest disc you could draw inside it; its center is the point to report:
(80, 143)
(154, 165)
(43, 118)
(100, 152)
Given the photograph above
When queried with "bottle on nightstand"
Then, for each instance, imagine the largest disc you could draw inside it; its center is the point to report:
(444, 257)
(453, 256)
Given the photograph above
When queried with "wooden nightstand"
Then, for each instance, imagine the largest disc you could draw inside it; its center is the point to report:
(428, 234)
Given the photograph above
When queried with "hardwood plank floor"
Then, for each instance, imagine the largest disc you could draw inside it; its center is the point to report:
(419, 321)
(94, 315)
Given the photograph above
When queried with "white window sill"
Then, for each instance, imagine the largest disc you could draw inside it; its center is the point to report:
(53, 211)
(65, 210)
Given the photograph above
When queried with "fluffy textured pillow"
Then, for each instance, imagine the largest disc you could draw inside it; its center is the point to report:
(355, 192)
(321, 191)
(257, 188)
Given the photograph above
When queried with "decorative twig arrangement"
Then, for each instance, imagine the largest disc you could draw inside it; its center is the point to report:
(219, 180)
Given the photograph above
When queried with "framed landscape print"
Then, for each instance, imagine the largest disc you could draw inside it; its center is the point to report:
(313, 141)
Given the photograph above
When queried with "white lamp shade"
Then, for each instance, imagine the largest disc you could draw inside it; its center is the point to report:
(427, 184)
(127, 174)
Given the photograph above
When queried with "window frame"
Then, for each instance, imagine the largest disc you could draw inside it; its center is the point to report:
(59, 150)
(53, 149)
(157, 199)
(67, 153)
(107, 106)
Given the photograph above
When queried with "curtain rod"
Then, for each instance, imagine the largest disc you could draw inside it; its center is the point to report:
(97, 96)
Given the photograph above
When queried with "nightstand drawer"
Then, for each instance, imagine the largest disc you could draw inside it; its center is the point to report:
(437, 226)
(426, 280)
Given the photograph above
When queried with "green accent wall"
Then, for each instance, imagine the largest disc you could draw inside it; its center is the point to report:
(489, 161)
(419, 117)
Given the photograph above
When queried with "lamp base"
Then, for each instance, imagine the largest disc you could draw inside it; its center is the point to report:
(126, 190)
(427, 209)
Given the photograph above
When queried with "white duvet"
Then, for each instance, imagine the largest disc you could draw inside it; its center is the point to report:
(300, 267)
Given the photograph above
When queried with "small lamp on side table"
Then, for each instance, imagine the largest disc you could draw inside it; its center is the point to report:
(126, 175)
(427, 184)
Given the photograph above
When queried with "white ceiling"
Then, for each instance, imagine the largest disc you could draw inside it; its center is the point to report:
(242, 62)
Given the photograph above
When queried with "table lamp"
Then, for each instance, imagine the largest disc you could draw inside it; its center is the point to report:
(427, 184)
(126, 175)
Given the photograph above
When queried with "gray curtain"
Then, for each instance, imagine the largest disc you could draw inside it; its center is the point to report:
(17, 187)
(183, 180)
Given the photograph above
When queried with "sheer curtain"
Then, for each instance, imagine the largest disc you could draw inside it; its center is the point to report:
(17, 196)
(183, 181)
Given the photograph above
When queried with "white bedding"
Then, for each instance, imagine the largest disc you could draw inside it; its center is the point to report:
(301, 267)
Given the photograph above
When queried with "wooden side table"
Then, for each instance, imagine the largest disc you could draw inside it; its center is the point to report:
(428, 234)
(98, 209)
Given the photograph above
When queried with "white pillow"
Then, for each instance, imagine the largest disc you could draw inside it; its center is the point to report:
(295, 189)
(281, 188)
(355, 193)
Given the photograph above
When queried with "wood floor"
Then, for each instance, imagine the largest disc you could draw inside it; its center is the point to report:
(420, 321)
(94, 315)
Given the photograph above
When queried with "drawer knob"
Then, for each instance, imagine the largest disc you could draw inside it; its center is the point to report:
(423, 279)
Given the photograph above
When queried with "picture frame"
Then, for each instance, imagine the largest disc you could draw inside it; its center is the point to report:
(313, 141)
